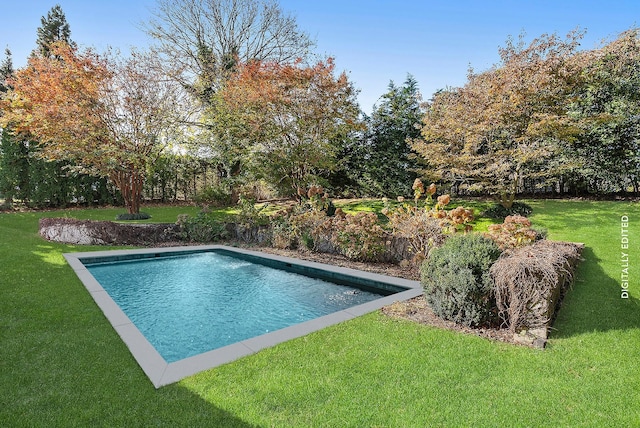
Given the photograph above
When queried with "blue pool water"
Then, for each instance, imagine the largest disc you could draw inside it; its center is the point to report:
(189, 304)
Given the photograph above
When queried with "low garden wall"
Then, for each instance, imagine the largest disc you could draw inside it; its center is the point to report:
(87, 232)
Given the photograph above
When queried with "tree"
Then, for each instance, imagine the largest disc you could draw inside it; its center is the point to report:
(14, 161)
(202, 41)
(54, 28)
(110, 116)
(384, 155)
(505, 123)
(606, 156)
(6, 71)
(289, 117)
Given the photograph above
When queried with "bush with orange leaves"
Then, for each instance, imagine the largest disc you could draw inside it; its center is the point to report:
(515, 232)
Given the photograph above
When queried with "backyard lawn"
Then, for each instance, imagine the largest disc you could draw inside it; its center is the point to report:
(62, 364)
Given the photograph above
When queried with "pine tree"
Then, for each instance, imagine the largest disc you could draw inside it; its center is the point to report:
(6, 70)
(384, 153)
(54, 27)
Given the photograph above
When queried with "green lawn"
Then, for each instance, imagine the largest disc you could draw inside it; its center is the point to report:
(61, 363)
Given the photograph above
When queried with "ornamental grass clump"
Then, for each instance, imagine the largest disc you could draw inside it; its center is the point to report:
(457, 283)
(528, 280)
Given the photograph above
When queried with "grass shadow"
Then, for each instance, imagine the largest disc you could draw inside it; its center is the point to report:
(594, 303)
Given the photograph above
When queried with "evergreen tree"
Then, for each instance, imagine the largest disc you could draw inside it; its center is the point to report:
(14, 167)
(54, 27)
(387, 167)
(6, 70)
(15, 159)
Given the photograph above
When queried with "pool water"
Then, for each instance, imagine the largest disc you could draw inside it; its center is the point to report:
(189, 304)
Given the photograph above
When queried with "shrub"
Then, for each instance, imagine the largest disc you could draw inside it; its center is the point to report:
(423, 225)
(130, 217)
(250, 214)
(358, 237)
(301, 225)
(306, 228)
(527, 282)
(217, 196)
(516, 231)
(455, 220)
(498, 211)
(201, 228)
(421, 231)
(457, 282)
(281, 234)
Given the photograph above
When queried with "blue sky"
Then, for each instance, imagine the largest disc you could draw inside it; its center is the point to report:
(374, 41)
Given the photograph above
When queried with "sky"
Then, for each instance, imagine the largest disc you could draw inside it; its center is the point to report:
(375, 41)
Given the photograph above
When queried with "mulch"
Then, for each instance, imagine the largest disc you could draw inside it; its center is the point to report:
(415, 310)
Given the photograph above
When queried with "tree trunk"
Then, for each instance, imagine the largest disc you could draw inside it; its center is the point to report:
(130, 185)
(508, 196)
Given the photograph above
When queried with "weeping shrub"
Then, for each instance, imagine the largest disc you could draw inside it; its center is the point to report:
(457, 282)
(531, 280)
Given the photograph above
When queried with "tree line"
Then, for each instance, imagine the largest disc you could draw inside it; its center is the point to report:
(231, 100)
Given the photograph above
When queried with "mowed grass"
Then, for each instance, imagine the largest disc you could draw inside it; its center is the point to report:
(62, 364)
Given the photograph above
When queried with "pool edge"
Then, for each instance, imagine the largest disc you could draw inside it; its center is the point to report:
(162, 373)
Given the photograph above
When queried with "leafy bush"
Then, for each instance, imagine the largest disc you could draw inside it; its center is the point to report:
(457, 282)
(357, 237)
(216, 196)
(423, 224)
(300, 225)
(498, 211)
(130, 217)
(516, 231)
(250, 214)
(281, 234)
(201, 228)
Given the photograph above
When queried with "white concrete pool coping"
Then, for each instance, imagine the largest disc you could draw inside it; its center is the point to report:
(162, 373)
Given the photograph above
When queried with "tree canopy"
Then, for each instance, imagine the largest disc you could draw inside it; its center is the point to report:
(504, 124)
(203, 40)
(111, 117)
(289, 118)
(53, 28)
(386, 166)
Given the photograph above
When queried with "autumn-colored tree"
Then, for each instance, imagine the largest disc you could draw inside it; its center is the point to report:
(504, 123)
(109, 116)
(287, 119)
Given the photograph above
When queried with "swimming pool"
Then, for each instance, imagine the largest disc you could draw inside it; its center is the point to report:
(174, 322)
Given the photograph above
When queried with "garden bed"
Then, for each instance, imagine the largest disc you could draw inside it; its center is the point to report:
(109, 233)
